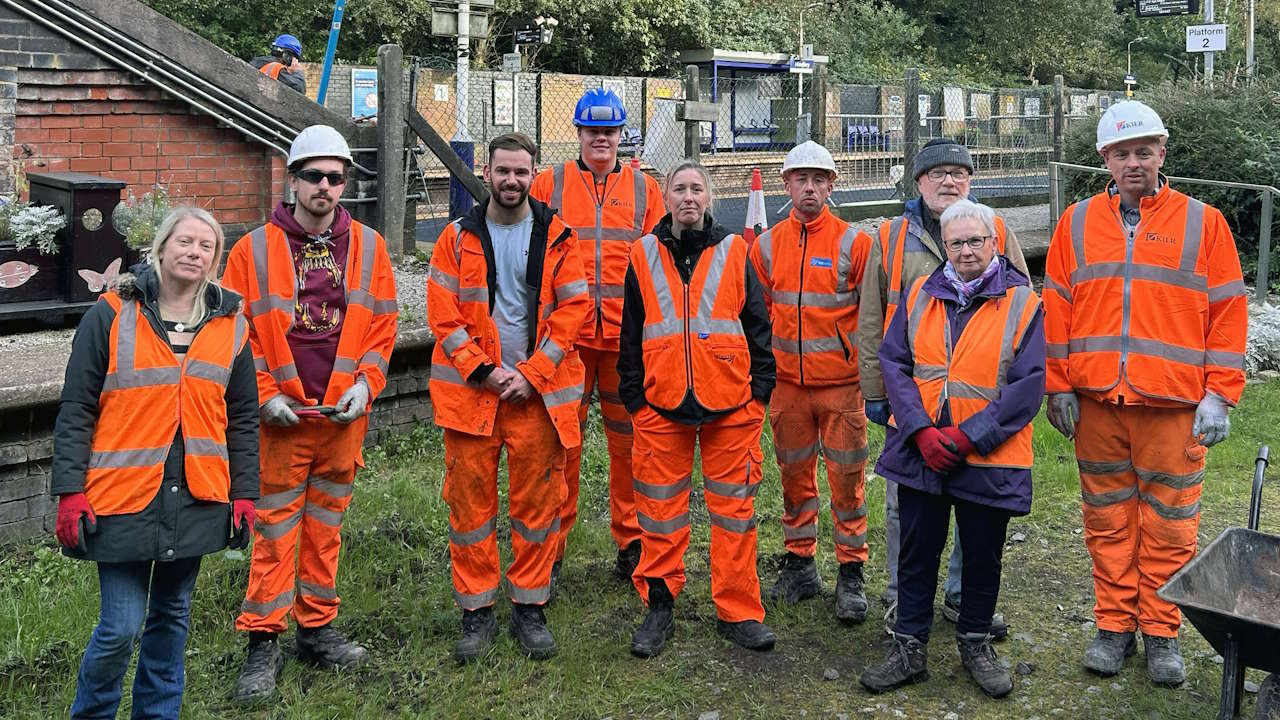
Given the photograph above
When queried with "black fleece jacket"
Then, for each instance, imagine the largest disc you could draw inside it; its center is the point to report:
(756, 325)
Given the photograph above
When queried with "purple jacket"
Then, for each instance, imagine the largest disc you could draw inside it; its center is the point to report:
(1017, 405)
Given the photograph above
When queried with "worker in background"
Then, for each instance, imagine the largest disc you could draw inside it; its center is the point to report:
(811, 265)
(155, 458)
(506, 298)
(906, 249)
(321, 300)
(284, 63)
(963, 366)
(696, 372)
(1146, 319)
(610, 205)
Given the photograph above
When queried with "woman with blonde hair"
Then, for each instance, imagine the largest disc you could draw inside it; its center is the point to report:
(155, 457)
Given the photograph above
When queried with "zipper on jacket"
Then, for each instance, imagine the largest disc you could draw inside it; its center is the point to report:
(1131, 240)
(804, 253)
(688, 351)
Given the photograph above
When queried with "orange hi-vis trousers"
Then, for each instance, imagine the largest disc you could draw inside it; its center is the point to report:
(602, 374)
(830, 419)
(307, 475)
(535, 470)
(1140, 475)
(731, 458)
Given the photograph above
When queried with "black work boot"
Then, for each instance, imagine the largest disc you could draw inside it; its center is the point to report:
(1105, 655)
(659, 624)
(628, 559)
(979, 658)
(555, 580)
(1164, 662)
(906, 663)
(798, 580)
(851, 600)
(529, 627)
(750, 634)
(951, 613)
(257, 679)
(327, 648)
(479, 627)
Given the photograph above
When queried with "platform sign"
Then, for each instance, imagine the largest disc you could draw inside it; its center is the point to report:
(1164, 8)
(364, 92)
(1206, 38)
(511, 62)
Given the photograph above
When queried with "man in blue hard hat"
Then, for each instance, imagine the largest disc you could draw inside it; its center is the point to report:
(283, 63)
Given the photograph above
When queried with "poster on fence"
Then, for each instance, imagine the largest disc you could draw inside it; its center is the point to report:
(1009, 124)
(953, 110)
(364, 92)
(923, 101)
(504, 102)
(1079, 104)
(980, 106)
(618, 86)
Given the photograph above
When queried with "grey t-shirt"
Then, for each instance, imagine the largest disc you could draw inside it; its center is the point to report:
(510, 311)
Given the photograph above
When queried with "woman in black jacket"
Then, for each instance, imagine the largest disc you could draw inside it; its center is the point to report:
(155, 458)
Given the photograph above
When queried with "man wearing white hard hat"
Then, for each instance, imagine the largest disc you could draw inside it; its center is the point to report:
(320, 297)
(1145, 319)
(811, 266)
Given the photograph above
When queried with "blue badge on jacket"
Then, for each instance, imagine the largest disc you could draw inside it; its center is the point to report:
(703, 336)
(820, 262)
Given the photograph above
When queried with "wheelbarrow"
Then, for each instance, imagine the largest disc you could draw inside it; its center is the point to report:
(1231, 593)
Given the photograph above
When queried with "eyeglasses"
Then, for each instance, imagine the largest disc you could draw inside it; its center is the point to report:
(974, 243)
(315, 176)
(959, 174)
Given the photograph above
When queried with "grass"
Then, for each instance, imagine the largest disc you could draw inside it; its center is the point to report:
(396, 593)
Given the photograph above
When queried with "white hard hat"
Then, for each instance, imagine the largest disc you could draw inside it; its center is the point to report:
(1126, 120)
(809, 154)
(318, 141)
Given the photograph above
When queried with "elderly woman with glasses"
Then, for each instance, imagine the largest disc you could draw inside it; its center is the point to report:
(963, 365)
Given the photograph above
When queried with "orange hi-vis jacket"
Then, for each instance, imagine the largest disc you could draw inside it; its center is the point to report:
(811, 273)
(608, 217)
(460, 297)
(147, 395)
(260, 267)
(272, 70)
(1159, 312)
(694, 327)
(970, 376)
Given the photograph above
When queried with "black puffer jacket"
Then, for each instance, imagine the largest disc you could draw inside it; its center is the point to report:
(175, 524)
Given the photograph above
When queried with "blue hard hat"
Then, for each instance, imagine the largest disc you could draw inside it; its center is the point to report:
(600, 108)
(288, 42)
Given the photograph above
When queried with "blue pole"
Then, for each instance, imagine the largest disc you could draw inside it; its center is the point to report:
(334, 29)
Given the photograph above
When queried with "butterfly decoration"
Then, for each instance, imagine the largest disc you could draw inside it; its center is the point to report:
(97, 282)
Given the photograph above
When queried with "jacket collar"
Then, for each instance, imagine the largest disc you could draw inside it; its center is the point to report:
(142, 283)
(710, 234)
(617, 167)
(544, 218)
(994, 286)
(1149, 202)
(818, 224)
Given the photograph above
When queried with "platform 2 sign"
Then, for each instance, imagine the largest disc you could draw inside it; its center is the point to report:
(1163, 8)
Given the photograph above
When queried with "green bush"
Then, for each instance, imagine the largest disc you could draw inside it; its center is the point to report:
(1226, 133)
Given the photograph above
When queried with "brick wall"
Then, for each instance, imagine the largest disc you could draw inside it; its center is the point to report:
(8, 105)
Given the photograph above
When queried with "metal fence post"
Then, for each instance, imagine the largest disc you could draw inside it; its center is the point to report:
(391, 144)
(818, 105)
(1264, 249)
(692, 130)
(1055, 187)
(910, 129)
(537, 117)
(1059, 119)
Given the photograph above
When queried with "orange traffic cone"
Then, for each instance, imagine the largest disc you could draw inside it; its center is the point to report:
(757, 220)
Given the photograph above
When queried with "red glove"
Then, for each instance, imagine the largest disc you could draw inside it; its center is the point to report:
(957, 436)
(940, 454)
(243, 514)
(71, 507)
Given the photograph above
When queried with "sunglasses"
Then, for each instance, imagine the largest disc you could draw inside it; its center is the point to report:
(975, 242)
(315, 176)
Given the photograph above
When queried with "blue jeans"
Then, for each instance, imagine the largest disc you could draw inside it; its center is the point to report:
(893, 547)
(160, 594)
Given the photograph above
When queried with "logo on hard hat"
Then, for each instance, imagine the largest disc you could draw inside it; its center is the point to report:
(1128, 125)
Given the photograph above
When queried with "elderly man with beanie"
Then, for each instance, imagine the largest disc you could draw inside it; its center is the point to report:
(906, 249)
(1146, 318)
(811, 265)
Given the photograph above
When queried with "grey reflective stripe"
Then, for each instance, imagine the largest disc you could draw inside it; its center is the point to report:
(386, 307)
(1235, 288)
(1104, 467)
(332, 518)
(830, 343)
(571, 394)
(571, 290)
(814, 299)
(557, 188)
(445, 280)
(136, 457)
(362, 297)
(455, 340)
(675, 327)
(619, 234)
(845, 457)
(368, 256)
(765, 243)
(553, 351)
(536, 536)
(916, 315)
(641, 197)
(336, 490)
(622, 427)
(1143, 346)
(804, 532)
(845, 263)
(529, 596)
(1139, 271)
(344, 365)
(265, 305)
(808, 506)
(791, 456)
(280, 528)
(891, 252)
(471, 537)
(1063, 292)
(926, 371)
(1192, 234)
(969, 391)
(457, 245)
(661, 492)
(847, 515)
(1108, 498)
(1056, 351)
(446, 373)
(1009, 341)
(476, 601)
(854, 541)
(893, 297)
(279, 500)
(666, 305)
(715, 273)
(605, 290)
(317, 591)
(1169, 512)
(147, 377)
(1077, 230)
(473, 294)
(373, 357)
(263, 609)
(1177, 482)
(662, 527)
(733, 525)
(741, 491)
(127, 375)
(205, 447)
(266, 301)
(1224, 358)
(284, 372)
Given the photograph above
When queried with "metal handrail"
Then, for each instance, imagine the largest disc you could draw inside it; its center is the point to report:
(1266, 193)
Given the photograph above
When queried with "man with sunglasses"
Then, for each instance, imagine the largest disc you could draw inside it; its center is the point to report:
(906, 249)
(320, 296)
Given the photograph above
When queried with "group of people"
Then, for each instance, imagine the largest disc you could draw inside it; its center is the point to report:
(590, 280)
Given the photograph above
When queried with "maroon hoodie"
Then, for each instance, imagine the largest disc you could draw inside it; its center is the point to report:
(320, 267)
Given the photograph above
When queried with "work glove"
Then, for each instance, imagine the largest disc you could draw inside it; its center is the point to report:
(243, 514)
(1064, 412)
(75, 519)
(960, 440)
(278, 411)
(878, 411)
(353, 403)
(1211, 425)
(940, 454)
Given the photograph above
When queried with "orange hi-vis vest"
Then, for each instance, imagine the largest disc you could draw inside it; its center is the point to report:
(272, 70)
(694, 327)
(260, 267)
(811, 273)
(1161, 309)
(969, 374)
(607, 223)
(147, 395)
(896, 242)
